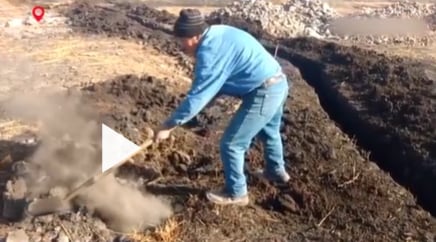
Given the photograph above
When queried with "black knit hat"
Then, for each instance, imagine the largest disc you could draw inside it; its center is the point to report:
(189, 23)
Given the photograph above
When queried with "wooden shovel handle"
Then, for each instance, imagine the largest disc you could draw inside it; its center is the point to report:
(97, 177)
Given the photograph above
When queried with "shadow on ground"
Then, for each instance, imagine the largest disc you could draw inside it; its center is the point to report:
(12, 157)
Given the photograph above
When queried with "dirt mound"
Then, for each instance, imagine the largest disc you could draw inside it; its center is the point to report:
(146, 95)
(335, 193)
(331, 179)
(127, 21)
(389, 104)
(333, 187)
(138, 20)
(69, 153)
(141, 22)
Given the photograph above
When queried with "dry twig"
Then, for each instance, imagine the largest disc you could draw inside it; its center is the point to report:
(325, 217)
(66, 231)
(353, 179)
(350, 181)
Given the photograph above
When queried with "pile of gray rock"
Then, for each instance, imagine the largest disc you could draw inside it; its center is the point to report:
(290, 19)
(404, 22)
(401, 9)
(416, 23)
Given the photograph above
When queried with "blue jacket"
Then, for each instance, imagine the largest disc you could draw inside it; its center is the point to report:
(229, 61)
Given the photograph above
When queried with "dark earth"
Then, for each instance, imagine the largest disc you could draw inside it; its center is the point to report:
(388, 103)
(337, 192)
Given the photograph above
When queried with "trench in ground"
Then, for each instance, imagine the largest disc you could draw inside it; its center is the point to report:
(347, 119)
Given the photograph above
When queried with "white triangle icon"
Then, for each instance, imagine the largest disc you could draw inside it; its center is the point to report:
(115, 148)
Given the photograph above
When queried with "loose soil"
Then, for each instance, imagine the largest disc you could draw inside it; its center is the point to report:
(389, 102)
(335, 194)
(125, 20)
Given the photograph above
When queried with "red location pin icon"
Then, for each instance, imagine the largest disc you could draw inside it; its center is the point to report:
(38, 13)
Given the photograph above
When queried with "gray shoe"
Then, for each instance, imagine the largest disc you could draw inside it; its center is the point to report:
(221, 198)
(280, 178)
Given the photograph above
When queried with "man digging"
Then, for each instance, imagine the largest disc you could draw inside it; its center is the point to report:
(231, 62)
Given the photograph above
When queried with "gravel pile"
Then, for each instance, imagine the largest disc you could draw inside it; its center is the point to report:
(403, 10)
(290, 19)
(406, 9)
(315, 18)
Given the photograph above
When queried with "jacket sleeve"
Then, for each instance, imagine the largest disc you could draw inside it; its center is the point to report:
(210, 75)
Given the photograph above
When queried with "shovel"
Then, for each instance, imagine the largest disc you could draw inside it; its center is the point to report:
(57, 204)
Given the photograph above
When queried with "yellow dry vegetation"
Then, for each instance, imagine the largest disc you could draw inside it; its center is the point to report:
(12, 128)
(101, 57)
(89, 59)
(168, 232)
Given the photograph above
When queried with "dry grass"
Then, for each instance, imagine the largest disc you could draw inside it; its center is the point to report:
(427, 53)
(93, 59)
(415, 52)
(168, 232)
(12, 128)
(78, 59)
(103, 55)
(9, 9)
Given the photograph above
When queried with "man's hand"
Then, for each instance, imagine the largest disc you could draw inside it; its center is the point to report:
(162, 133)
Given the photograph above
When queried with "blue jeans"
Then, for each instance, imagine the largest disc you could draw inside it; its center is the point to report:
(259, 115)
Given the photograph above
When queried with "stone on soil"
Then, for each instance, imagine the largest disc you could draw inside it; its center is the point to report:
(62, 237)
(17, 236)
(317, 19)
(14, 199)
(290, 19)
(14, 23)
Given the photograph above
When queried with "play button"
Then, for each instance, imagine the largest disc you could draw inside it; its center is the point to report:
(115, 148)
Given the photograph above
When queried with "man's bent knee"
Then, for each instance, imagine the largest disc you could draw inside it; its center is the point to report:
(231, 147)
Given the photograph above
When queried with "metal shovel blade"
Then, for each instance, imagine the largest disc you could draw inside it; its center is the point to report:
(49, 205)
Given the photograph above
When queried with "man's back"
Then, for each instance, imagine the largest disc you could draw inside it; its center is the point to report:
(236, 52)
